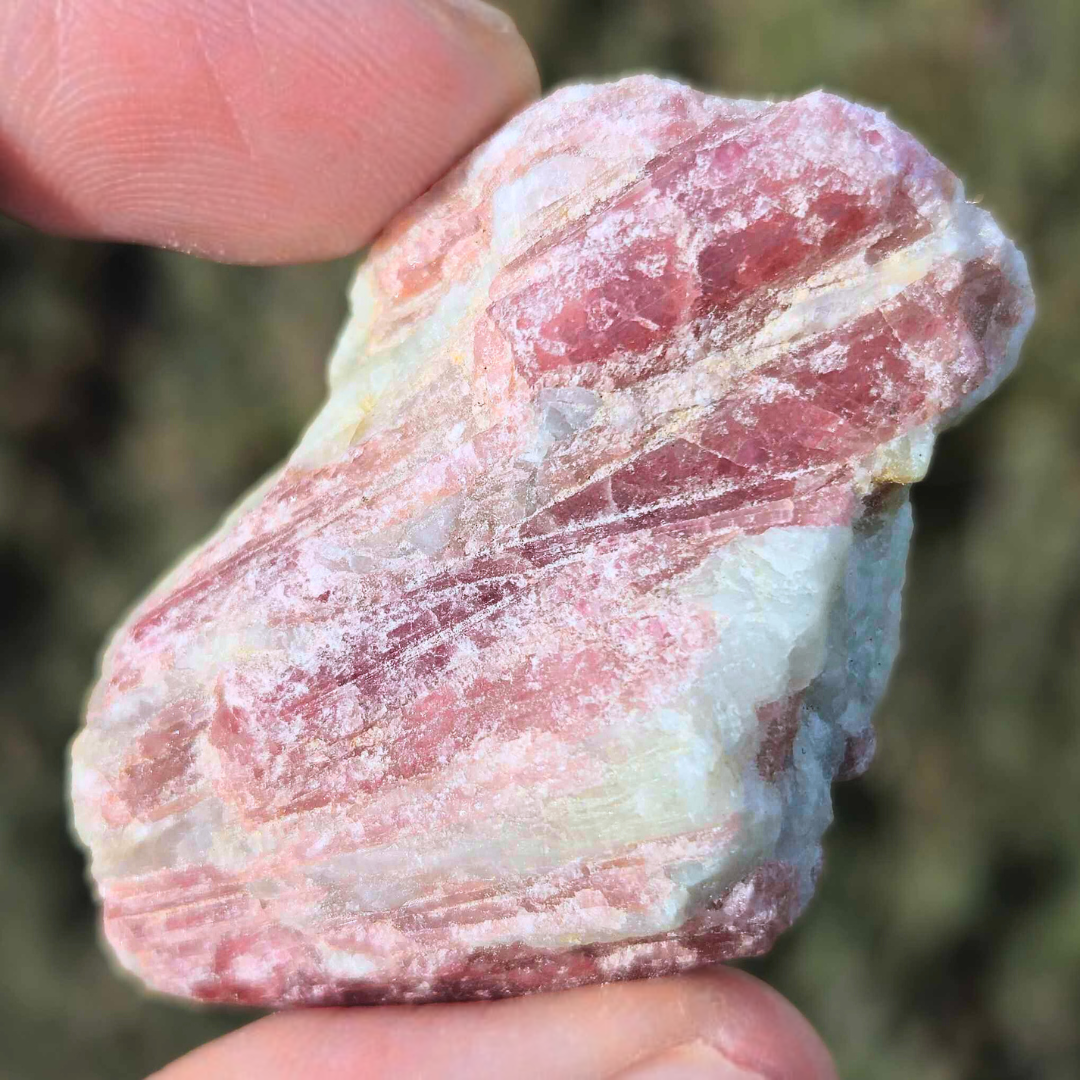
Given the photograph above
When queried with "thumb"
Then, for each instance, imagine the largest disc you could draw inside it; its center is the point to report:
(245, 130)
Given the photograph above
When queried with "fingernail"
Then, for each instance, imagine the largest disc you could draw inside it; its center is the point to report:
(492, 32)
(693, 1061)
(475, 14)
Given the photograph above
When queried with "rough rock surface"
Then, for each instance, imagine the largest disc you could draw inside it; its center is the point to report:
(534, 664)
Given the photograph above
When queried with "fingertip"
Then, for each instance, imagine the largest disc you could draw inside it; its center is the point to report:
(755, 1027)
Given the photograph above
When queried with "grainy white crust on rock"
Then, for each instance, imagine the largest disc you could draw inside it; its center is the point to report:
(534, 664)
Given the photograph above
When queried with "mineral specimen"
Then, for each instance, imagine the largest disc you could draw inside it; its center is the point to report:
(534, 663)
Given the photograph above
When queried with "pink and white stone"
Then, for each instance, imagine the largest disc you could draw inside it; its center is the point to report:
(533, 665)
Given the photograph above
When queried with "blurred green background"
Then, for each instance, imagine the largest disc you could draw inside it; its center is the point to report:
(141, 392)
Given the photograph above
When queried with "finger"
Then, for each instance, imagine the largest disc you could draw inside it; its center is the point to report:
(245, 130)
(721, 1023)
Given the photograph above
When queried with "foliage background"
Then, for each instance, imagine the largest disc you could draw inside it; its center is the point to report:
(141, 392)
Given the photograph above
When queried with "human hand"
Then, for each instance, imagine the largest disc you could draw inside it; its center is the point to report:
(287, 130)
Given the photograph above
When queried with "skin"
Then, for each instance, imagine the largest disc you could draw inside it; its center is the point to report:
(276, 131)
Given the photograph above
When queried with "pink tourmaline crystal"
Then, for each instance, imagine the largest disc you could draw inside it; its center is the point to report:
(534, 663)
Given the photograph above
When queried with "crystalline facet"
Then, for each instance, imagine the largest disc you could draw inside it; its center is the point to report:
(534, 664)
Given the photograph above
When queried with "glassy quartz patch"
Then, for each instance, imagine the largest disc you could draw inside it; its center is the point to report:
(533, 665)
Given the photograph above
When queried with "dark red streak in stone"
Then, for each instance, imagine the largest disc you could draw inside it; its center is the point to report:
(757, 460)
(780, 724)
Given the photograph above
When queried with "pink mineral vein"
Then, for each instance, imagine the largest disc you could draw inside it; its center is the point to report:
(534, 663)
